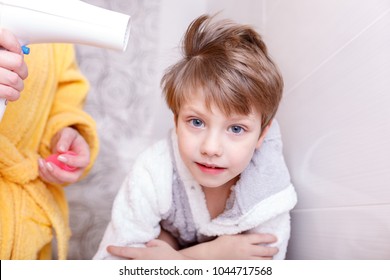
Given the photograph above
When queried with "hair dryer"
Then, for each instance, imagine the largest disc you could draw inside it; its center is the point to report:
(63, 21)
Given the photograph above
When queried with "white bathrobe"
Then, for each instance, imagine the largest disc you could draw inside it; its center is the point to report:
(160, 192)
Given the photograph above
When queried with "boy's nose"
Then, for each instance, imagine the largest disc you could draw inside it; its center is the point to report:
(212, 145)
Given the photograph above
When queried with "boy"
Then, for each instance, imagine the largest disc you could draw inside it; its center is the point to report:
(220, 176)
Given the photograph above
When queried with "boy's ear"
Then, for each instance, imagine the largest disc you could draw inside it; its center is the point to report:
(263, 134)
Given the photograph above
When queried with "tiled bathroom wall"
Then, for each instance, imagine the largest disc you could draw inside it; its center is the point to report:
(335, 58)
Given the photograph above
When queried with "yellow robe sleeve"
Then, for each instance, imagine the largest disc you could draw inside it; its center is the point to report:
(67, 109)
(31, 211)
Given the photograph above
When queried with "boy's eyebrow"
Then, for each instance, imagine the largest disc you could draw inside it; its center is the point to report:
(193, 109)
(243, 118)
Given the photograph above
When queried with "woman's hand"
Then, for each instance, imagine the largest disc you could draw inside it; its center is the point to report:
(13, 68)
(67, 139)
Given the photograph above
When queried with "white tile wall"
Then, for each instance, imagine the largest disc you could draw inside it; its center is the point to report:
(304, 34)
(341, 233)
(243, 11)
(174, 18)
(335, 58)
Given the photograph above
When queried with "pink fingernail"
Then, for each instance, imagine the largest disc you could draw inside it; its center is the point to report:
(41, 163)
(62, 158)
(49, 166)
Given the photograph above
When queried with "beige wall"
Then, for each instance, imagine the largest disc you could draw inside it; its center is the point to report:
(243, 11)
(335, 119)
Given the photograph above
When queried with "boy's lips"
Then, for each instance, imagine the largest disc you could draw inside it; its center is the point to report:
(210, 168)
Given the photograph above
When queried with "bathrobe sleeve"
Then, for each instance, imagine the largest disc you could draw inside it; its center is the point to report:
(280, 227)
(280, 203)
(141, 201)
(67, 108)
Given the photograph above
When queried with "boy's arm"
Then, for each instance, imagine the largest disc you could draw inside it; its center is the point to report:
(67, 108)
(128, 226)
(280, 228)
(136, 211)
(169, 239)
(241, 246)
(155, 250)
(245, 246)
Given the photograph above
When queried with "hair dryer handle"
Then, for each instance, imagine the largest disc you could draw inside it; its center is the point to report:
(3, 103)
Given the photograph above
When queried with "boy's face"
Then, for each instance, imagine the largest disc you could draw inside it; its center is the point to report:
(216, 148)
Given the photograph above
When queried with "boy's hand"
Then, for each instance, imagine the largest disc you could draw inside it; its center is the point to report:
(250, 246)
(13, 69)
(67, 139)
(246, 246)
(154, 250)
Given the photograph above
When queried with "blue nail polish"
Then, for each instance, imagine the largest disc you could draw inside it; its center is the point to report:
(26, 50)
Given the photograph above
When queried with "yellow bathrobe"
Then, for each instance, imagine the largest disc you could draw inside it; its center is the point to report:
(32, 212)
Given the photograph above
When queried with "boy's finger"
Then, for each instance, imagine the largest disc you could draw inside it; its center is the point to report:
(262, 238)
(124, 252)
(265, 251)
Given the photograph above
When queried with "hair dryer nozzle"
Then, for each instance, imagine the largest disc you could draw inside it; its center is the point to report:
(70, 21)
(63, 21)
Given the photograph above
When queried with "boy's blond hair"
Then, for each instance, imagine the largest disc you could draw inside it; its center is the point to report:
(230, 64)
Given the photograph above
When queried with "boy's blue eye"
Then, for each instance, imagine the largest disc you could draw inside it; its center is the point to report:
(236, 129)
(197, 122)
